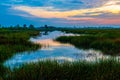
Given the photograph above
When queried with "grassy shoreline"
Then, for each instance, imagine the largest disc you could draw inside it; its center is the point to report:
(14, 41)
(108, 41)
(81, 70)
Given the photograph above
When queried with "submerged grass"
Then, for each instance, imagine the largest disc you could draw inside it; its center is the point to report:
(81, 70)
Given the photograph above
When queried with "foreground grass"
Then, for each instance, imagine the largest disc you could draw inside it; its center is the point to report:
(12, 42)
(108, 41)
(52, 70)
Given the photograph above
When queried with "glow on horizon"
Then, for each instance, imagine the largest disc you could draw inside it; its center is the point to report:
(73, 12)
(48, 12)
(45, 13)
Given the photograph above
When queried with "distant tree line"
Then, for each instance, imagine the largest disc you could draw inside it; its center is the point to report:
(24, 26)
(29, 27)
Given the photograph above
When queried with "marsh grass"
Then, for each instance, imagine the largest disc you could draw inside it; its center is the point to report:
(81, 70)
(17, 41)
(3, 71)
(108, 41)
(12, 42)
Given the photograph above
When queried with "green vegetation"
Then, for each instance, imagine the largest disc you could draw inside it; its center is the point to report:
(108, 41)
(3, 71)
(12, 42)
(52, 70)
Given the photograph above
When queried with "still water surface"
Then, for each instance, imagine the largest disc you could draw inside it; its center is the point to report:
(53, 50)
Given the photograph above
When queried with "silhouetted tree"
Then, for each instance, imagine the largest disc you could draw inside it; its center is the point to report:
(25, 26)
(11, 27)
(0, 26)
(46, 26)
(31, 26)
(17, 26)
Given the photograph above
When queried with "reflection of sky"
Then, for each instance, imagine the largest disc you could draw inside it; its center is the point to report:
(60, 12)
(68, 53)
(48, 35)
(60, 53)
(51, 35)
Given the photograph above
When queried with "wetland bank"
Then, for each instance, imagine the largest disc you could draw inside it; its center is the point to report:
(43, 62)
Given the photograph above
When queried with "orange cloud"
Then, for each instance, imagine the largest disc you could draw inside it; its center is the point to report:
(112, 6)
(48, 12)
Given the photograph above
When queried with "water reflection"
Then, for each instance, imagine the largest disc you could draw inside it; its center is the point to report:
(53, 50)
(47, 39)
(45, 33)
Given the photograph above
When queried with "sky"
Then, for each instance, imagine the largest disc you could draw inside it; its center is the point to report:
(60, 12)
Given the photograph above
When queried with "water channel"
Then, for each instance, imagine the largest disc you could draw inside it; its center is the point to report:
(53, 50)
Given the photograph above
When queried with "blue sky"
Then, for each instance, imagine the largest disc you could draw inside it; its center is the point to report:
(60, 12)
